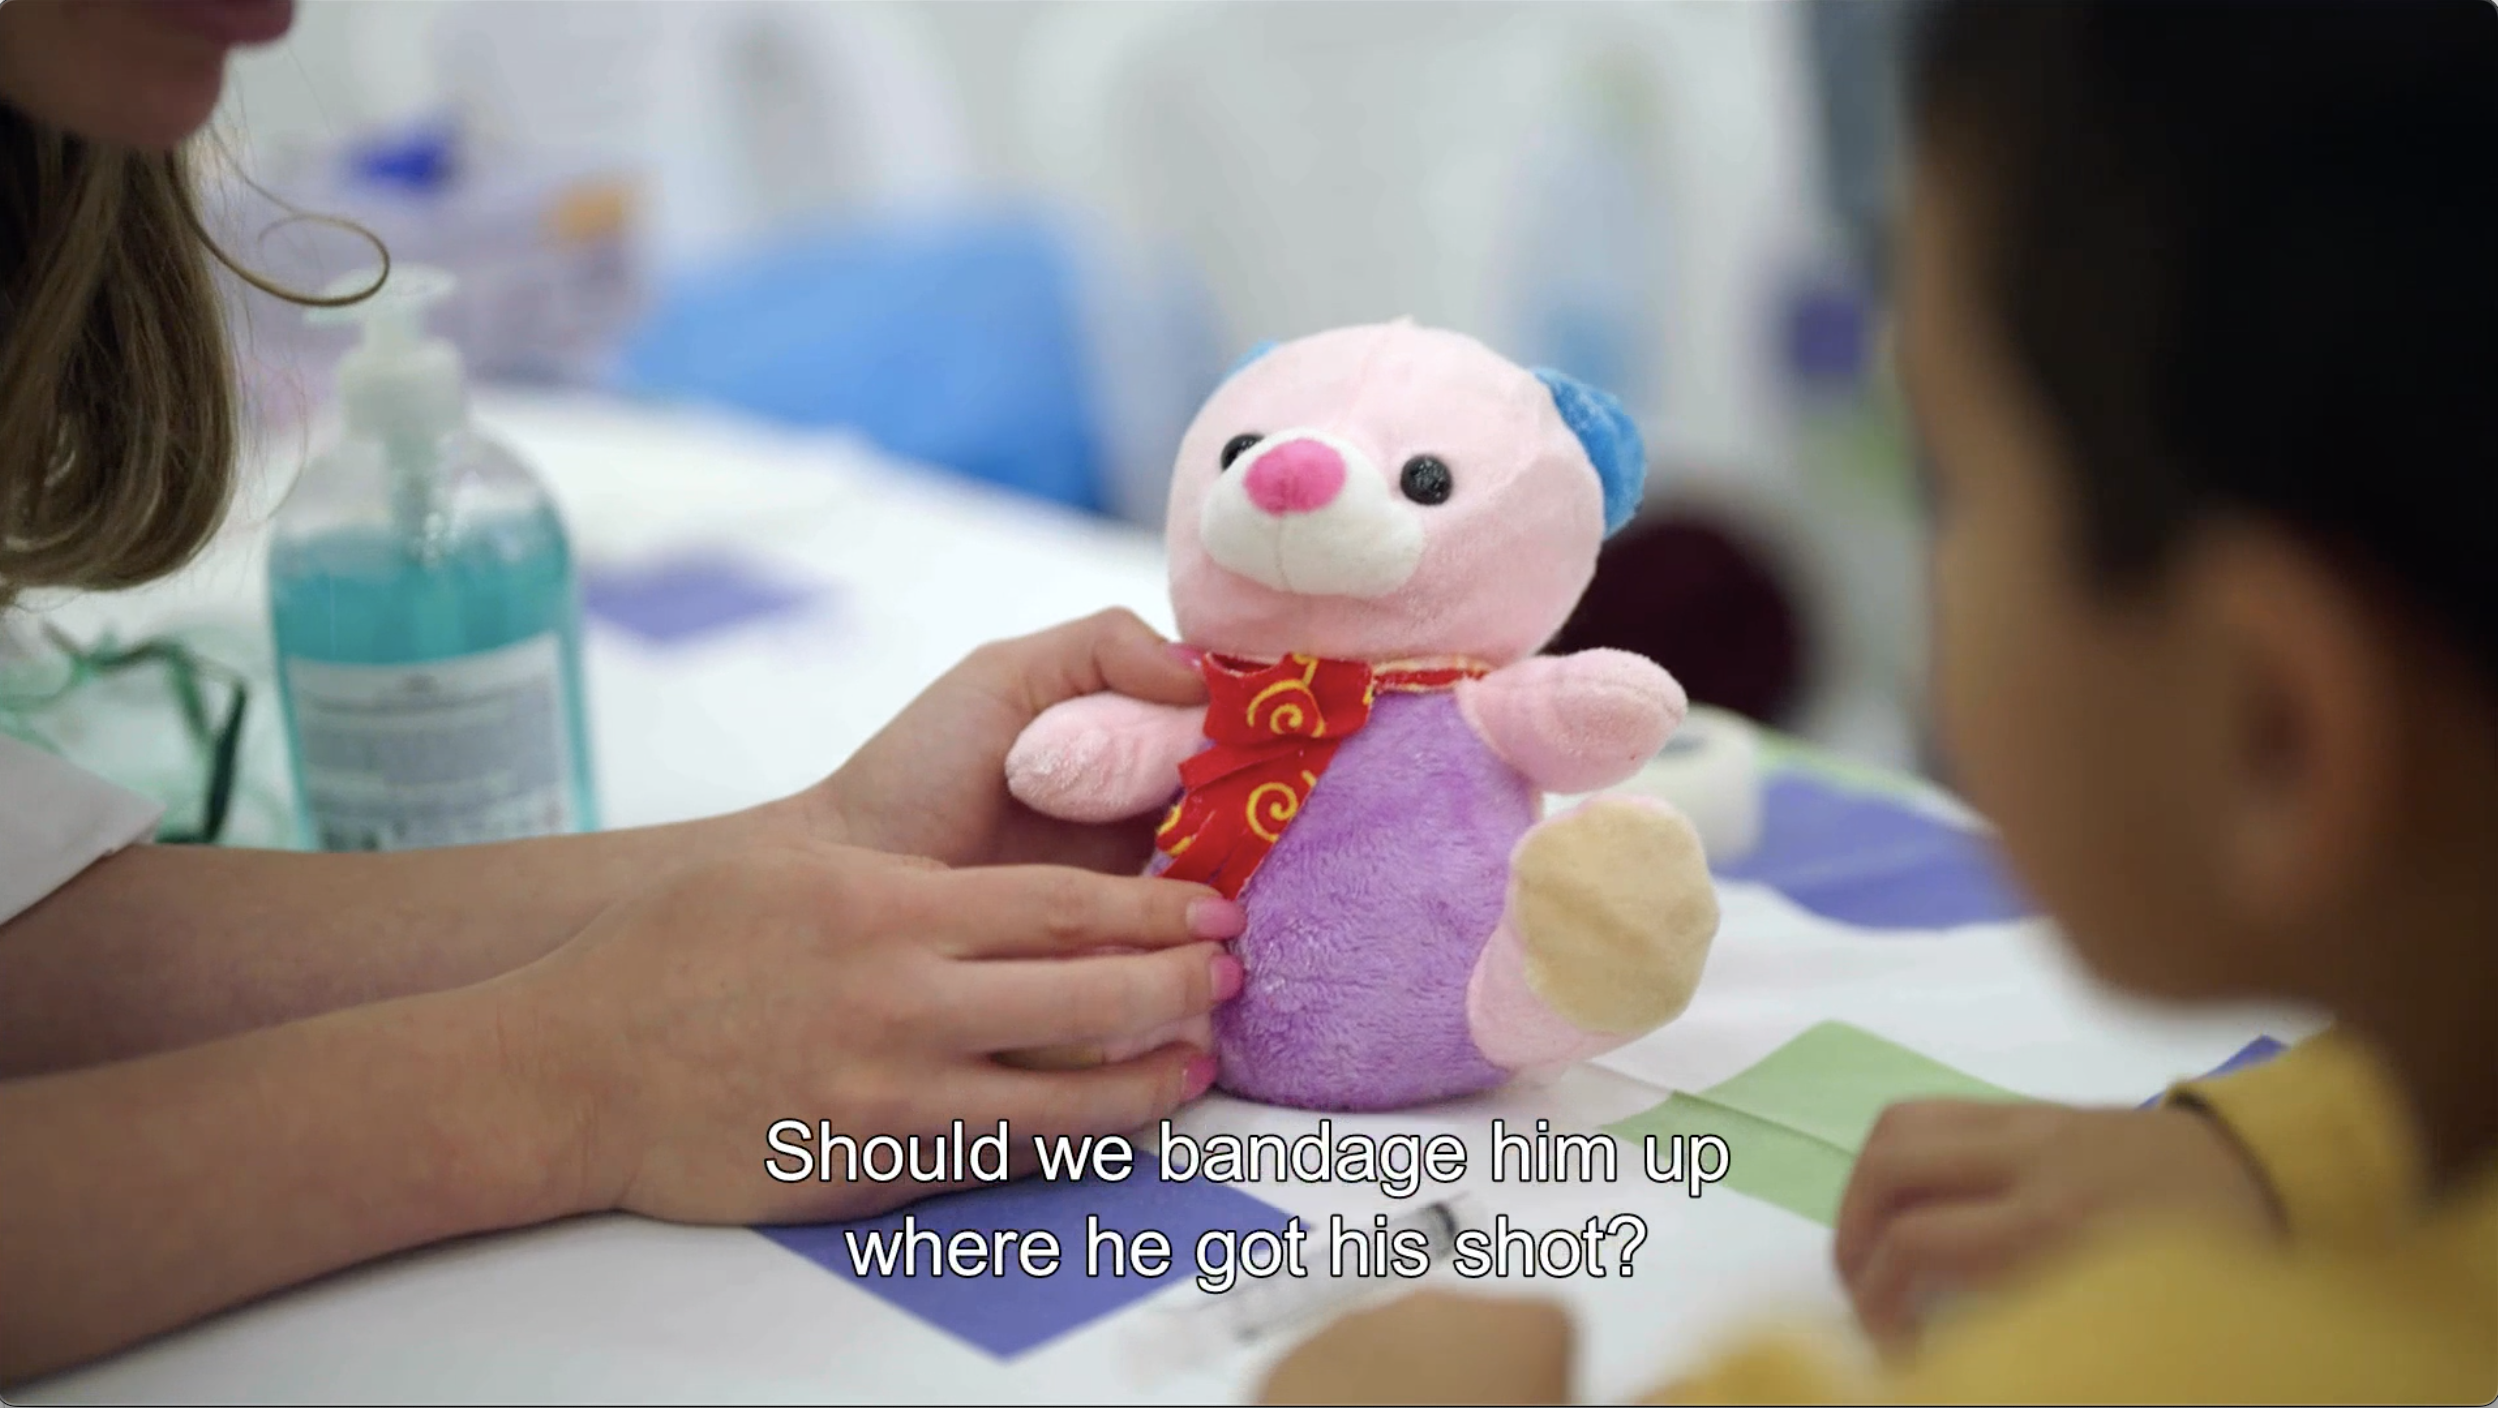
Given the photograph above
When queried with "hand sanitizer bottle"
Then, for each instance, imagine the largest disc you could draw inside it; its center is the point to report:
(427, 621)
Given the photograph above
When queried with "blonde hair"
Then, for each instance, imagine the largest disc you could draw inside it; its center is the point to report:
(118, 404)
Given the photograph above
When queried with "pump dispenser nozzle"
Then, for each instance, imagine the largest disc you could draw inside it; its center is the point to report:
(398, 383)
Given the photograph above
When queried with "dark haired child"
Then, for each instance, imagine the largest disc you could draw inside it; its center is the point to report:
(2199, 317)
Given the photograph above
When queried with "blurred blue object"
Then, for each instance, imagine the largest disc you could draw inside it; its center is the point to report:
(1593, 345)
(1870, 862)
(954, 341)
(1829, 336)
(686, 598)
(421, 158)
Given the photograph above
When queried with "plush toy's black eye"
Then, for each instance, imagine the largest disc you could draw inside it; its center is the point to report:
(1237, 446)
(1426, 480)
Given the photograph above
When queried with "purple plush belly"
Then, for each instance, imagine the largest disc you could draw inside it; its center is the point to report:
(1366, 919)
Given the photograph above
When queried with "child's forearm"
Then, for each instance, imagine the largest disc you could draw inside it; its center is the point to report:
(166, 946)
(139, 1196)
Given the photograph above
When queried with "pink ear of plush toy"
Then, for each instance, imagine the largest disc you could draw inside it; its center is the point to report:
(1372, 530)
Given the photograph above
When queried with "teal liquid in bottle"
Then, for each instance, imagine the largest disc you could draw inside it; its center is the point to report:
(426, 615)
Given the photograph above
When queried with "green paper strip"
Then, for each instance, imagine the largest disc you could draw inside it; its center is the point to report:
(1833, 1081)
(1794, 1121)
(1763, 1160)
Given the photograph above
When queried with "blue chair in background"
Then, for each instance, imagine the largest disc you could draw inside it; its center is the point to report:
(952, 340)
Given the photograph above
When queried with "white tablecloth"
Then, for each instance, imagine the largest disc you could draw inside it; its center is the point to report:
(907, 572)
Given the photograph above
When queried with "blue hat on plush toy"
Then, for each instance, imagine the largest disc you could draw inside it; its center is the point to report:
(1604, 430)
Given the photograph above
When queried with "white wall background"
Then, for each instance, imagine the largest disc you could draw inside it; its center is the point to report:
(1322, 163)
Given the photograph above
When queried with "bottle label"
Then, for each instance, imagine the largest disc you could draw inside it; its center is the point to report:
(447, 753)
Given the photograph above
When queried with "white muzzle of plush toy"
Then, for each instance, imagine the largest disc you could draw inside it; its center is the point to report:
(1304, 512)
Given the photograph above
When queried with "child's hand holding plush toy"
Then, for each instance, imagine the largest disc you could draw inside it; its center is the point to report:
(1371, 532)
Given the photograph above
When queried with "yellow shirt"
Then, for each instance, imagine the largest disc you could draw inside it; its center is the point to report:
(2373, 1297)
(2329, 1130)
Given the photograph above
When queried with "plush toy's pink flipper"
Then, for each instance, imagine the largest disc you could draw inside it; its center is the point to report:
(1575, 723)
(1514, 1027)
(1610, 917)
(1104, 757)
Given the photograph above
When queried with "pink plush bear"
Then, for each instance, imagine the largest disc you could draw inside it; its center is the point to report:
(1372, 530)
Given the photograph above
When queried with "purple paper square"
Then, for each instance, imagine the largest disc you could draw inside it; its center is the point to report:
(2254, 1053)
(681, 598)
(1871, 861)
(1011, 1313)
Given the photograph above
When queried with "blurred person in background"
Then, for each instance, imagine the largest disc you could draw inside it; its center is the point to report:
(224, 1072)
(2200, 320)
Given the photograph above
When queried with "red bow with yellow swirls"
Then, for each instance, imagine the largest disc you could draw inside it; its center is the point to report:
(1274, 728)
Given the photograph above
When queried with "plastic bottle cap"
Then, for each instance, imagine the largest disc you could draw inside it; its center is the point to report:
(398, 381)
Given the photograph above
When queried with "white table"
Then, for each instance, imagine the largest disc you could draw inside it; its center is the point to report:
(916, 571)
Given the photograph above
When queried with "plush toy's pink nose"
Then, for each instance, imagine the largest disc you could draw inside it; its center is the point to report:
(1296, 477)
